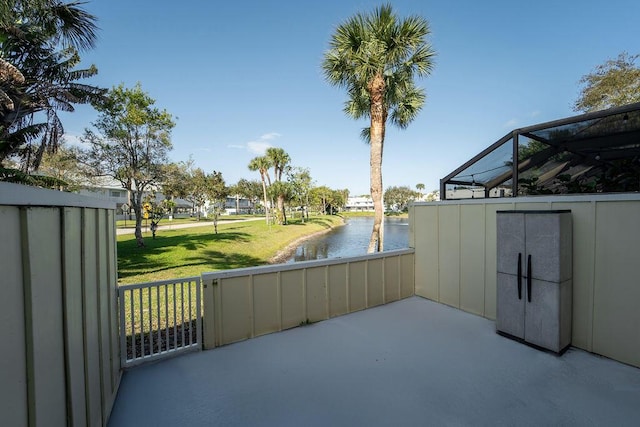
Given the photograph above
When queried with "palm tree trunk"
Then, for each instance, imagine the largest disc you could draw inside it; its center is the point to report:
(378, 116)
(264, 192)
(281, 209)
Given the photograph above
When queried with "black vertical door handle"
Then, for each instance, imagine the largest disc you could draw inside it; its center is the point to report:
(519, 275)
(529, 274)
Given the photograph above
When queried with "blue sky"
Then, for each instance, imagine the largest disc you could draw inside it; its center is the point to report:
(243, 75)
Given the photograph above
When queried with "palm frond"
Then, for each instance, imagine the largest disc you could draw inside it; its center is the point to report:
(76, 25)
(365, 135)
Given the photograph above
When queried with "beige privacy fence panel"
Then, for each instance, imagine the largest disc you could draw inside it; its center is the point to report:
(60, 363)
(455, 258)
(245, 303)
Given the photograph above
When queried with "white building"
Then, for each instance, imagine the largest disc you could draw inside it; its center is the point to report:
(359, 204)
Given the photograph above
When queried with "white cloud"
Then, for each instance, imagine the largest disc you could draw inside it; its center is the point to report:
(269, 136)
(73, 140)
(535, 113)
(511, 123)
(258, 147)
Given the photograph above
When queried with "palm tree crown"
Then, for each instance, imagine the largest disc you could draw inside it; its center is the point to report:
(376, 57)
(378, 53)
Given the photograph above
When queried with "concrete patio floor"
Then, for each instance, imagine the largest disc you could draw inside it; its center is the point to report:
(412, 362)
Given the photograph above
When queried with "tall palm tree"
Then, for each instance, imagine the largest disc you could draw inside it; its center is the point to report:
(280, 161)
(420, 187)
(375, 57)
(262, 165)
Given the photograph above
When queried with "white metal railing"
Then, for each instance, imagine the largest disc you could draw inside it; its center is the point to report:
(159, 319)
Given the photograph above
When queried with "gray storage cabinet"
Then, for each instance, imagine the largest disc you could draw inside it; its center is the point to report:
(534, 277)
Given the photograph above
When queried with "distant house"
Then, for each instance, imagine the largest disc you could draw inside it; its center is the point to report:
(359, 204)
(238, 206)
(109, 189)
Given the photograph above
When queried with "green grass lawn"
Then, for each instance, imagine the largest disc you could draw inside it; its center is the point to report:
(131, 223)
(192, 251)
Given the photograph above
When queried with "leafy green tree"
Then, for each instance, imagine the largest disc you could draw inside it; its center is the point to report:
(280, 161)
(326, 200)
(157, 210)
(262, 165)
(433, 196)
(321, 198)
(175, 181)
(398, 198)
(131, 143)
(612, 84)
(63, 165)
(216, 192)
(300, 180)
(420, 187)
(251, 190)
(375, 57)
(40, 41)
(197, 190)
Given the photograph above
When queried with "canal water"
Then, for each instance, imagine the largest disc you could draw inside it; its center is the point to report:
(352, 239)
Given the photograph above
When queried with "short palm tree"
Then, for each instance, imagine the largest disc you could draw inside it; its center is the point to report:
(280, 161)
(262, 165)
(375, 57)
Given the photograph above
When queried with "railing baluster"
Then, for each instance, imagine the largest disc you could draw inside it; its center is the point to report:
(133, 325)
(175, 320)
(150, 308)
(158, 302)
(182, 311)
(198, 313)
(141, 309)
(190, 316)
(166, 316)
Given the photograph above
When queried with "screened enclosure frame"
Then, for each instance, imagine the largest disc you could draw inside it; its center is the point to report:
(576, 148)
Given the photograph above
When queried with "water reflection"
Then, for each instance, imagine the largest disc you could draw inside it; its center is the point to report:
(352, 239)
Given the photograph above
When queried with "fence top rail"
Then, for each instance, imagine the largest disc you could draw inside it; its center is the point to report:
(24, 195)
(564, 198)
(302, 265)
(195, 279)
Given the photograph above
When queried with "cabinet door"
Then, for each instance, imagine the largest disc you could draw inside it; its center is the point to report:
(548, 242)
(542, 315)
(510, 241)
(510, 308)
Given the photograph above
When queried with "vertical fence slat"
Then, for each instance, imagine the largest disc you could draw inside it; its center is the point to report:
(123, 331)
